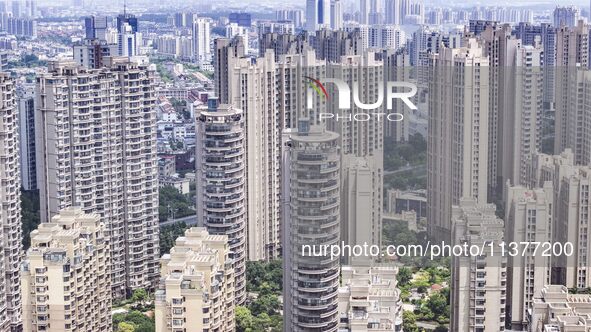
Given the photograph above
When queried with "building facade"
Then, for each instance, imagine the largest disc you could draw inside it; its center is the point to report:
(66, 277)
(10, 209)
(311, 184)
(26, 108)
(528, 218)
(458, 117)
(478, 282)
(96, 148)
(196, 291)
(220, 175)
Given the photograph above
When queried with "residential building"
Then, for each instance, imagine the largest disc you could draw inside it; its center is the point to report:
(528, 219)
(201, 33)
(10, 209)
(196, 291)
(570, 215)
(220, 173)
(566, 16)
(26, 112)
(251, 86)
(478, 282)
(66, 277)
(369, 299)
(96, 149)
(555, 310)
(317, 15)
(311, 181)
(572, 55)
(458, 132)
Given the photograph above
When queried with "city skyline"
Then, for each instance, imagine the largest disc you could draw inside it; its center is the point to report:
(327, 165)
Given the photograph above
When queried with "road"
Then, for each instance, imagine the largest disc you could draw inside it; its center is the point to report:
(189, 220)
(405, 169)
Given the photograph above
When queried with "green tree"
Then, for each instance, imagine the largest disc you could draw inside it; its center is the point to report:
(265, 304)
(441, 328)
(125, 327)
(169, 234)
(136, 320)
(140, 295)
(30, 214)
(409, 322)
(404, 276)
(171, 200)
(437, 304)
(244, 318)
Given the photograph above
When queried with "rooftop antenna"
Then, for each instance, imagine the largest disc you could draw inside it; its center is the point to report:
(125, 8)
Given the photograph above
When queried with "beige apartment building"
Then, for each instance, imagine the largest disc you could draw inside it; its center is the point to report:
(196, 291)
(251, 87)
(96, 149)
(457, 163)
(220, 176)
(10, 209)
(528, 218)
(478, 292)
(369, 300)
(572, 55)
(361, 146)
(555, 310)
(571, 206)
(66, 281)
(520, 128)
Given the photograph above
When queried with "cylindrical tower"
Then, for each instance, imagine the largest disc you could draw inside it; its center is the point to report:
(220, 181)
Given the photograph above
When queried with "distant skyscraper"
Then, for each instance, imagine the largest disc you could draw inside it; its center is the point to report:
(364, 9)
(478, 283)
(528, 33)
(96, 27)
(128, 19)
(128, 41)
(392, 12)
(220, 173)
(457, 161)
(311, 177)
(389, 37)
(317, 14)
(26, 109)
(10, 211)
(184, 19)
(566, 16)
(242, 19)
(104, 160)
(397, 69)
(376, 15)
(66, 275)
(336, 15)
(295, 16)
(201, 33)
(332, 45)
(17, 8)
